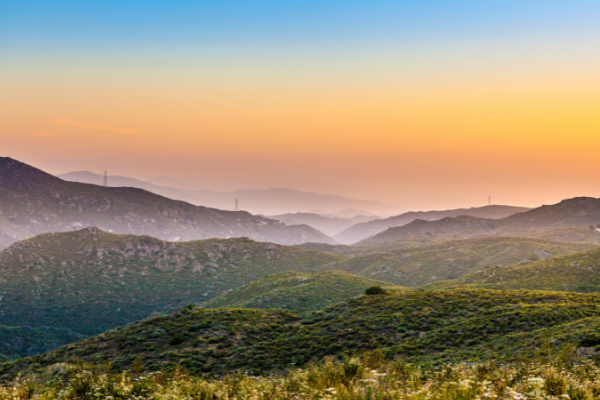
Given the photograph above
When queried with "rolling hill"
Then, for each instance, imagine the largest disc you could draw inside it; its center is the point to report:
(453, 259)
(365, 230)
(34, 202)
(89, 280)
(295, 291)
(578, 272)
(422, 326)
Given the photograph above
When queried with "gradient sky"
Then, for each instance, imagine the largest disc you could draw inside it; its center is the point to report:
(422, 104)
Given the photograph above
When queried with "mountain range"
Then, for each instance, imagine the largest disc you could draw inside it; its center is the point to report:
(34, 202)
(365, 230)
(579, 212)
(327, 224)
(266, 202)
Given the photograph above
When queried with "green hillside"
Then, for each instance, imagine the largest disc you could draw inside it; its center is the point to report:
(578, 272)
(89, 281)
(295, 291)
(424, 265)
(425, 327)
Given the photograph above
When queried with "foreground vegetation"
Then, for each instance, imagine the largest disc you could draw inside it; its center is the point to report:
(369, 377)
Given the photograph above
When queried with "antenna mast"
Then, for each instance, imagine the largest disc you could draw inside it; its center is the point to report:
(105, 180)
(236, 204)
(489, 200)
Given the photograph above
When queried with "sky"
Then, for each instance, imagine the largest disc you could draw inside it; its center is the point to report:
(420, 104)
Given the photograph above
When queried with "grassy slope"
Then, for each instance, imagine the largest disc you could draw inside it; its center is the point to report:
(450, 260)
(428, 326)
(577, 272)
(295, 291)
(89, 281)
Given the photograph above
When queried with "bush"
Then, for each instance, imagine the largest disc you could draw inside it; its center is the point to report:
(375, 290)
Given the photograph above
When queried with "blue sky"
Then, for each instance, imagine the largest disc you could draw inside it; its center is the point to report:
(92, 25)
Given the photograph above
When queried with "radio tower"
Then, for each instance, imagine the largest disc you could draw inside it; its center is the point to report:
(105, 180)
(489, 200)
(236, 204)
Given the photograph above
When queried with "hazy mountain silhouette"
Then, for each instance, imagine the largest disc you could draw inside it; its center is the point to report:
(267, 201)
(325, 223)
(123, 181)
(351, 213)
(172, 182)
(34, 202)
(579, 212)
(362, 231)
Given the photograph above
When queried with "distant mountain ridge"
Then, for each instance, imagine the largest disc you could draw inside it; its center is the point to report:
(265, 201)
(578, 212)
(362, 231)
(34, 202)
(327, 224)
(123, 181)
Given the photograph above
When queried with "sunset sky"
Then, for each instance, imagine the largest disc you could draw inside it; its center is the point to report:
(420, 104)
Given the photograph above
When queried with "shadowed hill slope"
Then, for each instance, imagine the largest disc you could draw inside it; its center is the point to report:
(34, 202)
(429, 326)
(24, 341)
(295, 291)
(90, 280)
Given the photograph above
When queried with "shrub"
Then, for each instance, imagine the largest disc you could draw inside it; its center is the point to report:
(375, 290)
